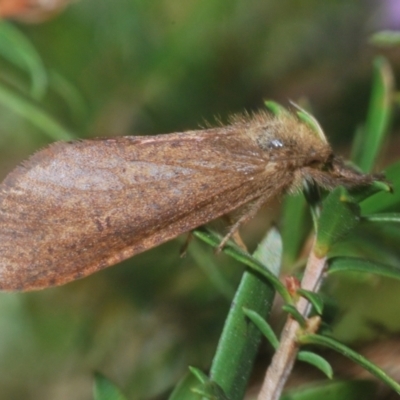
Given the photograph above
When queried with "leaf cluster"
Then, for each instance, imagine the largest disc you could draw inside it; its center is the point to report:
(336, 216)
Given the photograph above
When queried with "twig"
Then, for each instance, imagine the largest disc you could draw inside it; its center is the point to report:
(285, 356)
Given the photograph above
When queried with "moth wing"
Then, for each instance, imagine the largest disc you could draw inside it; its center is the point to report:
(75, 208)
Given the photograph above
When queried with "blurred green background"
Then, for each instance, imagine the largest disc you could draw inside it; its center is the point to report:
(121, 67)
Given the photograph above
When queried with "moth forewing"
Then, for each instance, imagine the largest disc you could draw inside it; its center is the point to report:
(75, 208)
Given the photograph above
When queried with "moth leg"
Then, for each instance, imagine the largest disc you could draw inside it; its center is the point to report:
(185, 246)
(248, 215)
(238, 240)
(230, 219)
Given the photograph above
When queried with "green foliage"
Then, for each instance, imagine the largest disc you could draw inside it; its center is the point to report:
(384, 217)
(335, 218)
(356, 389)
(186, 388)
(19, 51)
(317, 361)
(238, 254)
(105, 389)
(314, 298)
(295, 314)
(354, 356)
(34, 114)
(275, 108)
(309, 120)
(381, 202)
(207, 389)
(240, 339)
(294, 227)
(370, 139)
(263, 326)
(353, 264)
(386, 38)
(339, 216)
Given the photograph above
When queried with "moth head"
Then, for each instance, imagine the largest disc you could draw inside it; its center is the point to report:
(287, 139)
(297, 144)
(322, 166)
(335, 172)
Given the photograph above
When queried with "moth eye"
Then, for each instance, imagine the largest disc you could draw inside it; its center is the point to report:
(267, 144)
(275, 143)
(315, 164)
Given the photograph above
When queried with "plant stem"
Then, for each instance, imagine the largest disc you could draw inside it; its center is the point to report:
(285, 356)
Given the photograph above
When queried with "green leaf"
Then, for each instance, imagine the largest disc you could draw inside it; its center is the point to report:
(17, 49)
(314, 298)
(352, 355)
(294, 226)
(386, 38)
(385, 201)
(207, 262)
(339, 216)
(199, 374)
(337, 390)
(263, 326)
(379, 115)
(275, 108)
(316, 361)
(269, 251)
(70, 94)
(238, 254)
(312, 123)
(292, 310)
(240, 339)
(33, 113)
(184, 389)
(206, 388)
(210, 391)
(104, 389)
(353, 264)
(363, 193)
(384, 217)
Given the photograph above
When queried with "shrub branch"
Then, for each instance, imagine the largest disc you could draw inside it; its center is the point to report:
(285, 356)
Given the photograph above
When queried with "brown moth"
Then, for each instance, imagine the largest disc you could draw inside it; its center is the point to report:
(75, 208)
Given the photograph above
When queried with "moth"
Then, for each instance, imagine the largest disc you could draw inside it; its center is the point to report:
(77, 207)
